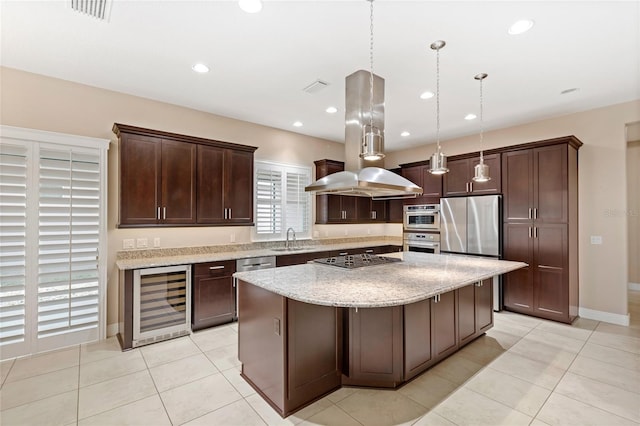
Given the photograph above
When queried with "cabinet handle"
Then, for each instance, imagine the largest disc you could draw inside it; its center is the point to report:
(530, 216)
(436, 298)
(213, 268)
(225, 213)
(470, 186)
(158, 214)
(164, 213)
(535, 232)
(230, 213)
(535, 213)
(479, 284)
(344, 253)
(368, 251)
(530, 232)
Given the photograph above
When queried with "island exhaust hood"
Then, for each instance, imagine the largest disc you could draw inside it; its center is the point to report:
(374, 181)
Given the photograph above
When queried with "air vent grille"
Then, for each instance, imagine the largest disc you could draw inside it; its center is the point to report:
(96, 8)
(316, 86)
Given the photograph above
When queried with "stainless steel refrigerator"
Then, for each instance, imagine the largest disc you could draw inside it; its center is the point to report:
(472, 226)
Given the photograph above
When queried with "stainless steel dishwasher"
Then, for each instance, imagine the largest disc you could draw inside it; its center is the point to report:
(252, 264)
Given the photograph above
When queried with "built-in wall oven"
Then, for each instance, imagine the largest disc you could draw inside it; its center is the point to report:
(422, 242)
(422, 217)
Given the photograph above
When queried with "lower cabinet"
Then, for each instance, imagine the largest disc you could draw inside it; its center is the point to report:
(475, 305)
(290, 351)
(214, 295)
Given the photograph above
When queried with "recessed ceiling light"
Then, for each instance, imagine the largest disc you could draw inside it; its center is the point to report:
(470, 117)
(405, 134)
(332, 110)
(521, 26)
(250, 6)
(200, 68)
(567, 91)
(297, 124)
(427, 95)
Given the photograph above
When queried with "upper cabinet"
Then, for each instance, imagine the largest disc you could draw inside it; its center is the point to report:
(168, 179)
(459, 179)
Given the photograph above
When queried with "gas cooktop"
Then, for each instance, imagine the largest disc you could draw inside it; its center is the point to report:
(356, 260)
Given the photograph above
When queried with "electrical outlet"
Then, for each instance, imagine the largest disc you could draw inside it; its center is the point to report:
(232, 237)
(128, 243)
(368, 231)
(346, 232)
(156, 242)
(142, 243)
(596, 239)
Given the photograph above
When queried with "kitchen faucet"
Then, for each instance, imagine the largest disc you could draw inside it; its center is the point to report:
(286, 245)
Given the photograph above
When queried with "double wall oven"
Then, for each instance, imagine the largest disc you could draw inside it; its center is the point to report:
(421, 226)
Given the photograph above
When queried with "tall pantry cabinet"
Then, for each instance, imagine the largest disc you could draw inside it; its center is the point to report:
(540, 186)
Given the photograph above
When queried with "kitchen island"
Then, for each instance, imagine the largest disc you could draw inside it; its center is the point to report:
(306, 330)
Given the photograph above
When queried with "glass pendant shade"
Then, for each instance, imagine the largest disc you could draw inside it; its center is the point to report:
(372, 147)
(481, 172)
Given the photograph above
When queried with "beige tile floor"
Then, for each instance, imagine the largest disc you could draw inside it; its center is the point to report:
(523, 371)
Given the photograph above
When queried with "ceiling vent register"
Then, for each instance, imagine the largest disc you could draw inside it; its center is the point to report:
(98, 9)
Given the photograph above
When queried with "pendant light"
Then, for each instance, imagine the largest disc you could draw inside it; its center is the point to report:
(481, 170)
(372, 147)
(438, 163)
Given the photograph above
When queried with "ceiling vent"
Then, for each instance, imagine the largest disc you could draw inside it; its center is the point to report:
(98, 9)
(316, 86)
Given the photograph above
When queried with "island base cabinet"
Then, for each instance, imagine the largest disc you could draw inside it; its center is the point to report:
(475, 310)
(290, 351)
(374, 348)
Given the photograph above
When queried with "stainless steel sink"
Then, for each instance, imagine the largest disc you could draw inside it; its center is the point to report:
(288, 249)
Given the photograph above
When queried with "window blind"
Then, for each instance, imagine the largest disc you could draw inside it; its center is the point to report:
(13, 240)
(281, 201)
(68, 241)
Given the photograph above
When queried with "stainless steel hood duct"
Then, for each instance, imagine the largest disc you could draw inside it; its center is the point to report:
(371, 181)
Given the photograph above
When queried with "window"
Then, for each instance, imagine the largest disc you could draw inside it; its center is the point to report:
(53, 213)
(281, 201)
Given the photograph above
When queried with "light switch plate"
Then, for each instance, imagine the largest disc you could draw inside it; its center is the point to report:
(142, 243)
(128, 243)
(156, 242)
(596, 239)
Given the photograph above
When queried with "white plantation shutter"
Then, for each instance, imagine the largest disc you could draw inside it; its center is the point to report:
(68, 237)
(281, 201)
(13, 241)
(52, 281)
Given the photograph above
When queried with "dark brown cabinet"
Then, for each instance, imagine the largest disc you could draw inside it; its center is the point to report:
(168, 179)
(291, 351)
(540, 228)
(225, 186)
(157, 181)
(431, 185)
(214, 294)
(475, 303)
(459, 179)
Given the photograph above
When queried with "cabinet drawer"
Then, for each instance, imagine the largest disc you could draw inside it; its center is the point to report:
(215, 269)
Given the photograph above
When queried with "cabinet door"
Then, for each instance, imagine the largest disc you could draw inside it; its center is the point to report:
(456, 180)
(431, 184)
(551, 293)
(484, 305)
(518, 285)
(178, 182)
(467, 327)
(444, 320)
(210, 181)
(379, 209)
(140, 170)
(414, 174)
(551, 184)
(214, 296)
(350, 207)
(517, 184)
(494, 185)
(238, 194)
(418, 352)
(375, 342)
(395, 211)
(333, 208)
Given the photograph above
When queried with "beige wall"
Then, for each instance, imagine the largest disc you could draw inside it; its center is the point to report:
(633, 209)
(602, 191)
(33, 101)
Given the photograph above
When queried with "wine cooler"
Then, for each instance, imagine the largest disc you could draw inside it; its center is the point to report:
(161, 304)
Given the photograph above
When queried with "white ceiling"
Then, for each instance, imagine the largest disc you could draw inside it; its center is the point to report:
(261, 62)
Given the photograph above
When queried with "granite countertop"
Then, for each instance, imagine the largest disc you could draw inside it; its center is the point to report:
(418, 277)
(135, 259)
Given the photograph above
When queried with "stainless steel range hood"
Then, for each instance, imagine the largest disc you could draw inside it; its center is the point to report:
(374, 181)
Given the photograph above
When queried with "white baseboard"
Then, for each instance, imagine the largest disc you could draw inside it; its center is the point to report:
(112, 329)
(604, 316)
(634, 286)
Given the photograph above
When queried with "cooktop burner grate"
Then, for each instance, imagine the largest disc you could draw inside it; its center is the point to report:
(356, 260)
